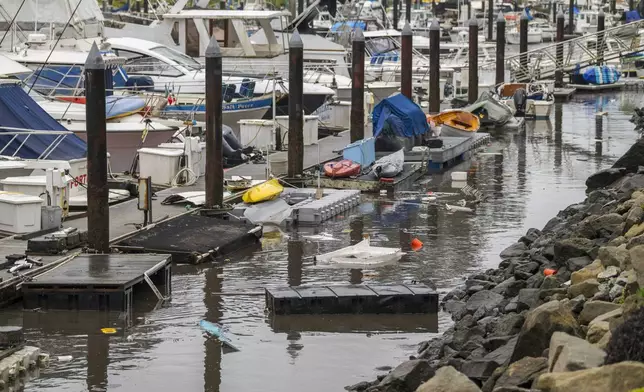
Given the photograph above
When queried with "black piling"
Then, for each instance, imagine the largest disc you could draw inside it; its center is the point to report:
(295, 106)
(300, 6)
(214, 135)
(469, 10)
(434, 66)
(490, 20)
(500, 48)
(241, 5)
(222, 5)
(613, 6)
(599, 132)
(137, 6)
(631, 5)
(560, 49)
(357, 86)
(406, 60)
(146, 7)
(571, 17)
(98, 212)
(473, 64)
(553, 11)
(601, 23)
(408, 11)
(396, 6)
(332, 7)
(385, 18)
(523, 45)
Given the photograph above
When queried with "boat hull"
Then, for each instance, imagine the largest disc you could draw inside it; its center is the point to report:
(539, 110)
(450, 131)
(513, 38)
(341, 169)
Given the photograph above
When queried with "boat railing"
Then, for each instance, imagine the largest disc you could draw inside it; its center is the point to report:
(575, 53)
(17, 132)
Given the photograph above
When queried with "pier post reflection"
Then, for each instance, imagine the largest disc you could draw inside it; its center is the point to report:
(295, 249)
(558, 139)
(498, 176)
(212, 347)
(599, 131)
(98, 351)
(357, 231)
(521, 159)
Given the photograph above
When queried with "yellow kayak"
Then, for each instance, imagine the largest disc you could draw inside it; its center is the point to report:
(263, 192)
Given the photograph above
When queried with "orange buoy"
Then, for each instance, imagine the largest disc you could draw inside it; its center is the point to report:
(549, 271)
(416, 244)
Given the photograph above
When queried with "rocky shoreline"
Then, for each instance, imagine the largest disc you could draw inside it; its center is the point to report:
(562, 312)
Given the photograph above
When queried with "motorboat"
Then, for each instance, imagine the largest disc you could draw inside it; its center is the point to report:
(491, 111)
(360, 256)
(535, 35)
(531, 100)
(458, 123)
(341, 169)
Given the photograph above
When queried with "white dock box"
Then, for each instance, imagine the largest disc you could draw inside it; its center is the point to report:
(162, 164)
(19, 213)
(257, 133)
(310, 128)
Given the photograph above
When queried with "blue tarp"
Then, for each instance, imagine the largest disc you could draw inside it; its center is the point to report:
(351, 24)
(402, 115)
(632, 16)
(18, 110)
(601, 74)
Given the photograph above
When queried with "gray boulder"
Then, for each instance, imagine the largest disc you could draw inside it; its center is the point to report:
(530, 236)
(515, 250)
(572, 247)
(407, 376)
(509, 287)
(448, 379)
(609, 273)
(528, 299)
(509, 324)
(481, 369)
(522, 373)
(550, 282)
(634, 216)
(617, 256)
(587, 288)
(454, 307)
(604, 178)
(484, 297)
(577, 263)
(569, 353)
(539, 326)
(594, 309)
(632, 159)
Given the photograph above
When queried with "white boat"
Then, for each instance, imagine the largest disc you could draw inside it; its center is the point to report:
(361, 256)
(538, 103)
(535, 36)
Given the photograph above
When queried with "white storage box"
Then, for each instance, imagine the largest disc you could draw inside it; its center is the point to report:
(162, 164)
(19, 213)
(198, 157)
(310, 128)
(257, 133)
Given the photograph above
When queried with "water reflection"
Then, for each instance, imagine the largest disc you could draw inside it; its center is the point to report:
(212, 347)
(599, 136)
(98, 349)
(558, 133)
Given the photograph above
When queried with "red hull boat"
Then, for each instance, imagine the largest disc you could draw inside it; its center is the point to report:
(341, 169)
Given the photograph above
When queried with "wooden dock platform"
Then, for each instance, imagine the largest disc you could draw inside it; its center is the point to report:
(341, 299)
(454, 151)
(98, 282)
(370, 183)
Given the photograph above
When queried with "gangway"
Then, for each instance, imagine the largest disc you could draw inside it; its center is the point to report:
(607, 46)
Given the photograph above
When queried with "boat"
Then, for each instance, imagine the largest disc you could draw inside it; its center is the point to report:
(266, 191)
(238, 183)
(390, 165)
(491, 111)
(361, 256)
(341, 169)
(535, 36)
(456, 123)
(217, 330)
(596, 75)
(530, 100)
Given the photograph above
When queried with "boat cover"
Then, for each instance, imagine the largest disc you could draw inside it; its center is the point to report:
(18, 110)
(350, 25)
(601, 74)
(403, 116)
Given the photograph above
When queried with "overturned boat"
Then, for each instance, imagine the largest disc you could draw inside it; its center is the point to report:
(361, 256)
(490, 110)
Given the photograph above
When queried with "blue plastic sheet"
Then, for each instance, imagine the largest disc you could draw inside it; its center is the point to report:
(18, 110)
(403, 116)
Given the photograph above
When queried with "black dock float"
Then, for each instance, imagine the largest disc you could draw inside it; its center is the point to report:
(354, 323)
(193, 238)
(98, 282)
(342, 299)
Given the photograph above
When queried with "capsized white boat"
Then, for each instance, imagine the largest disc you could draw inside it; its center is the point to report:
(361, 256)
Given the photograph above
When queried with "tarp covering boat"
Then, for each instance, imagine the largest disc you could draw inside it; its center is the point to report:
(597, 74)
(19, 111)
(390, 165)
(403, 117)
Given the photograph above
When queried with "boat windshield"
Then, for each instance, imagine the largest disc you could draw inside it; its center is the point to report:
(177, 57)
(380, 45)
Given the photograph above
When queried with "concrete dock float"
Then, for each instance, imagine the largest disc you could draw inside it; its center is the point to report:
(564, 93)
(98, 282)
(598, 87)
(339, 299)
(370, 183)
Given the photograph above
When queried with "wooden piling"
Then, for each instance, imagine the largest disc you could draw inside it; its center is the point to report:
(146, 7)
(98, 212)
(469, 10)
(523, 45)
(406, 60)
(222, 5)
(473, 80)
(332, 6)
(613, 6)
(560, 49)
(434, 66)
(500, 48)
(385, 18)
(395, 16)
(408, 11)
(357, 86)
(571, 17)
(553, 11)
(490, 20)
(300, 6)
(214, 135)
(601, 22)
(295, 106)
(631, 5)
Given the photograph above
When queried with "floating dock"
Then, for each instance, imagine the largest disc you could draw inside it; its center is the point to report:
(355, 323)
(341, 299)
(370, 183)
(598, 87)
(192, 238)
(564, 93)
(99, 282)
(455, 150)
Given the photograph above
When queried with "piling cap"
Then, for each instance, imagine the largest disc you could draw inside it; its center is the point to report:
(213, 49)
(524, 15)
(500, 18)
(560, 14)
(435, 25)
(295, 41)
(94, 59)
(358, 35)
(407, 30)
(601, 14)
(473, 22)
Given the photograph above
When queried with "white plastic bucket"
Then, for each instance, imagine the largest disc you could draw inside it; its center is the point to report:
(459, 176)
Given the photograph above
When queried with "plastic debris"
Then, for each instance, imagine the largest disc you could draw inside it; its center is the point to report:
(64, 358)
(549, 271)
(108, 331)
(416, 244)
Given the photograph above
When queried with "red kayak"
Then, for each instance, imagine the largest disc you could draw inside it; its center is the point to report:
(341, 169)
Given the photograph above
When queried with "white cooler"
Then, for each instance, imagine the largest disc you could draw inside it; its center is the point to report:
(310, 128)
(19, 213)
(162, 164)
(257, 133)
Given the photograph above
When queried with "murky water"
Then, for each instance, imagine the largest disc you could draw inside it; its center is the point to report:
(527, 177)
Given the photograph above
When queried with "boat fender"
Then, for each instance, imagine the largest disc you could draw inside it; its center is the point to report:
(520, 98)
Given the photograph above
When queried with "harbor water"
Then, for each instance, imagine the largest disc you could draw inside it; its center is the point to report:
(527, 176)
